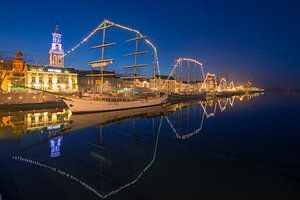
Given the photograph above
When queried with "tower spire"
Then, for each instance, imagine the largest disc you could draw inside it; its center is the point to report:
(56, 28)
(19, 54)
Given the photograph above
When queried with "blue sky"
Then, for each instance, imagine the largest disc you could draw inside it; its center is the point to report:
(248, 40)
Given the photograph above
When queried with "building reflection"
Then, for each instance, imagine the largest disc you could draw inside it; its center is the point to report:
(55, 145)
(186, 119)
(53, 121)
(46, 124)
(22, 123)
(116, 164)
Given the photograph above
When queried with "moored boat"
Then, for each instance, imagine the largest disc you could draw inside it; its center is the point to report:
(174, 97)
(78, 105)
(98, 99)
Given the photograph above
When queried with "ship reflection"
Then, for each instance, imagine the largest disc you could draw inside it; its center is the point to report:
(134, 150)
(188, 118)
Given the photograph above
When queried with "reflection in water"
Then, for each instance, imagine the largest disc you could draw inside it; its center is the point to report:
(60, 172)
(55, 144)
(70, 176)
(18, 124)
(185, 119)
(49, 125)
(208, 109)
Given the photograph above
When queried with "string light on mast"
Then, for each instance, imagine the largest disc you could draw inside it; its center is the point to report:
(156, 60)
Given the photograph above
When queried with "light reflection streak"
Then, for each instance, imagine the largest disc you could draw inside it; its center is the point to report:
(186, 136)
(93, 190)
(204, 114)
(58, 171)
(147, 167)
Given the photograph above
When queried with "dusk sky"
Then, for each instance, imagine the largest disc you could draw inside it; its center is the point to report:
(248, 40)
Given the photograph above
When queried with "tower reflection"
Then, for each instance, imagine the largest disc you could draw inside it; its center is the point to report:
(121, 146)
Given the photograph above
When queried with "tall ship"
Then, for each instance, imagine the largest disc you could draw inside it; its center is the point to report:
(97, 100)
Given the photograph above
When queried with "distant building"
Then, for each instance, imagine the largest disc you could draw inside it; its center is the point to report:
(52, 79)
(183, 87)
(18, 64)
(56, 52)
(163, 84)
(5, 74)
(15, 74)
(55, 77)
(12, 73)
(90, 80)
(210, 83)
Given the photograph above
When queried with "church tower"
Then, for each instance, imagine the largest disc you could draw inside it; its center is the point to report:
(56, 52)
(18, 64)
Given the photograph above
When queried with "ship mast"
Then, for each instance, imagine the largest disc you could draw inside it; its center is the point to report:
(103, 62)
(135, 63)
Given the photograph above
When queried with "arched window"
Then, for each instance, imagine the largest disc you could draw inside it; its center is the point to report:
(59, 60)
(54, 60)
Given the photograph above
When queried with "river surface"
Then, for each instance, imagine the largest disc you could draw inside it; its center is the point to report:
(244, 147)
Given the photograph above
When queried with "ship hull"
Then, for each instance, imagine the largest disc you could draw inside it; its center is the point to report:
(78, 106)
(185, 97)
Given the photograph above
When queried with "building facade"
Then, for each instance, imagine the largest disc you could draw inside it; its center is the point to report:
(210, 83)
(52, 79)
(16, 75)
(12, 73)
(163, 84)
(89, 81)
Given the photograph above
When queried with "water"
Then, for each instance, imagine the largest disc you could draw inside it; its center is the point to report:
(236, 148)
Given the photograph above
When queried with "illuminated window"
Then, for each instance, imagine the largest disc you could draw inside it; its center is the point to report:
(54, 59)
(59, 60)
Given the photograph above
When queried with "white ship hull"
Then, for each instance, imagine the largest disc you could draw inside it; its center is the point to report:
(87, 106)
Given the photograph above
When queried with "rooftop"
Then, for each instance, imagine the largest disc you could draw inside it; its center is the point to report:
(165, 77)
(89, 72)
(5, 64)
(40, 68)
